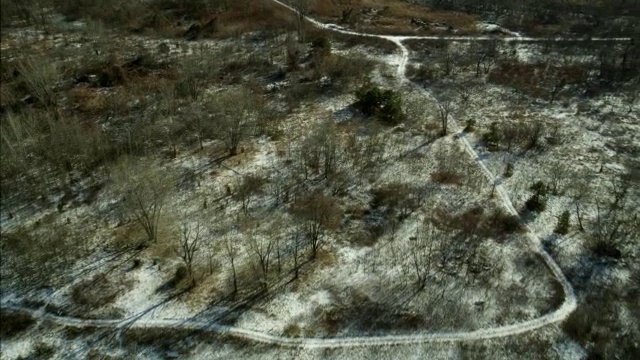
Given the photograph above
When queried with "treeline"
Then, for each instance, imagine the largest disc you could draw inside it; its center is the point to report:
(593, 8)
(189, 18)
(616, 17)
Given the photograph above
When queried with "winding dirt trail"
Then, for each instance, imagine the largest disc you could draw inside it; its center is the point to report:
(567, 307)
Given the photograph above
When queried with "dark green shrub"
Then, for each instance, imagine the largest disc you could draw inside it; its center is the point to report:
(384, 104)
(471, 123)
(539, 188)
(563, 224)
(14, 323)
(605, 249)
(503, 224)
(369, 100)
(537, 202)
(321, 46)
(492, 137)
(181, 273)
(508, 171)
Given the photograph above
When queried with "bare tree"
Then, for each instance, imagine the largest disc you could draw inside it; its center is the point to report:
(302, 6)
(446, 57)
(145, 187)
(295, 240)
(235, 111)
(231, 250)
(444, 109)
(318, 213)
(201, 124)
(579, 190)
(250, 186)
(280, 186)
(188, 245)
(557, 173)
(365, 153)
(485, 55)
(262, 247)
(533, 132)
(632, 94)
(421, 247)
(321, 148)
(510, 134)
(453, 104)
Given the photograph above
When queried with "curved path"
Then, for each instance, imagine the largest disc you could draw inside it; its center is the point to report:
(567, 307)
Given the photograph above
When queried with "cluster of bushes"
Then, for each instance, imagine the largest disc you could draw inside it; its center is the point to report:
(383, 104)
(507, 135)
(593, 325)
(477, 221)
(347, 71)
(321, 46)
(396, 199)
(66, 109)
(167, 17)
(537, 202)
(421, 73)
(582, 18)
(38, 257)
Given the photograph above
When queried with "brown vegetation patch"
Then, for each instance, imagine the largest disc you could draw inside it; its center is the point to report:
(477, 221)
(38, 256)
(447, 177)
(114, 71)
(13, 324)
(95, 293)
(362, 314)
(192, 19)
(246, 16)
(538, 80)
(87, 100)
(325, 258)
(391, 17)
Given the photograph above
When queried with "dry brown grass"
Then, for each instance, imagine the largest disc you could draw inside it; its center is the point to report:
(447, 177)
(292, 331)
(256, 15)
(87, 100)
(537, 80)
(394, 16)
(126, 236)
(95, 293)
(325, 258)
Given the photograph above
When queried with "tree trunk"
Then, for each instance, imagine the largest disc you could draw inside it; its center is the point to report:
(235, 281)
(579, 217)
(444, 125)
